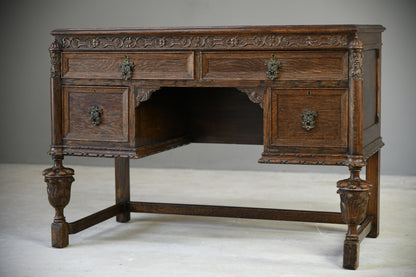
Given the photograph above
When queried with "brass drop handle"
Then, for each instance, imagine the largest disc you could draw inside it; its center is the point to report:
(308, 119)
(127, 68)
(95, 115)
(273, 66)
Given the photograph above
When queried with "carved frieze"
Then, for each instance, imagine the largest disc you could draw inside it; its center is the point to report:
(209, 41)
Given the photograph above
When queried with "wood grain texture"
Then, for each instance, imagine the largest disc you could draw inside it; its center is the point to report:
(122, 181)
(114, 122)
(373, 177)
(318, 65)
(331, 121)
(156, 65)
(236, 212)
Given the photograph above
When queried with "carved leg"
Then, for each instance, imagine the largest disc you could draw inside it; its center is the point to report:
(373, 177)
(59, 180)
(354, 194)
(122, 167)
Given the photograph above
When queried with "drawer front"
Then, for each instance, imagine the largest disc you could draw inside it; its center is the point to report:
(147, 65)
(96, 113)
(294, 65)
(308, 118)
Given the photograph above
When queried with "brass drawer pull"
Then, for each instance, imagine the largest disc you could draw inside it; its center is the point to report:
(308, 122)
(127, 68)
(95, 115)
(273, 66)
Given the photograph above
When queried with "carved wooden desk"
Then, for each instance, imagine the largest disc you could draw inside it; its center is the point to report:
(313, 98)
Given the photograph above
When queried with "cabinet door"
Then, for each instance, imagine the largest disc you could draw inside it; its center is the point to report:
(96, 113)
(307, 118)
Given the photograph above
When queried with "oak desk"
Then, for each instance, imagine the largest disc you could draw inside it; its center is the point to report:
(309, 94)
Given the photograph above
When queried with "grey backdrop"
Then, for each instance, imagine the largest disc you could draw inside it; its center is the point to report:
(25, 25)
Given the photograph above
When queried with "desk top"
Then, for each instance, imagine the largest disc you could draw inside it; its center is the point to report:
(225, 29)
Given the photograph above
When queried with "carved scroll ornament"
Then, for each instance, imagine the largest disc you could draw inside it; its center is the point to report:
(211, 41)
(256, 95)
(144, 94)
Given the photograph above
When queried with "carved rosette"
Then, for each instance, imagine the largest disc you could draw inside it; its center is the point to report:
(256, 95)
(55, 53)
(215, 41)
(58, 180)
(144, 94)
(354, 193)
(356, 59)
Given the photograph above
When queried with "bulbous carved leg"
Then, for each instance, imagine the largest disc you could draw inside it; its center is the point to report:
(59, 180)
(354, 194)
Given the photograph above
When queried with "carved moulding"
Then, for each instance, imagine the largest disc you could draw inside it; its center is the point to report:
(207, 41)
(144, 94)
(256, 95)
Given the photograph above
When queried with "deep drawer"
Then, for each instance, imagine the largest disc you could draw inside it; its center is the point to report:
(307, 118)
(95, 113)
(147, 65)
(294, 65)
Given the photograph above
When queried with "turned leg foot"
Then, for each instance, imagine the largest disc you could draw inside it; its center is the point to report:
(59, 235)
(354, 194)
(351, 253)
(59, 180)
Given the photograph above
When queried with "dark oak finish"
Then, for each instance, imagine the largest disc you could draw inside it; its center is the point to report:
(308, 94)
(294, 65)
(122, 180)
(113, 125)
(153, 65)
(237, 212)
(373, 177)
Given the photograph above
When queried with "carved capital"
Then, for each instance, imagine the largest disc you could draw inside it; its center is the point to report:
(55, 53)
(144, 94)
(256, 95)
(355, 161)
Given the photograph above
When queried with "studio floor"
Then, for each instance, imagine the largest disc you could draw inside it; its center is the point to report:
(170, 245)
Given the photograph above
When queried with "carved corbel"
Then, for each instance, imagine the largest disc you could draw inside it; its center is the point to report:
(144, 94)
(256, 95)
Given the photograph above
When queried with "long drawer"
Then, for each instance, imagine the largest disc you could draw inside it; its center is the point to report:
(294, 65)
(146, 65)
